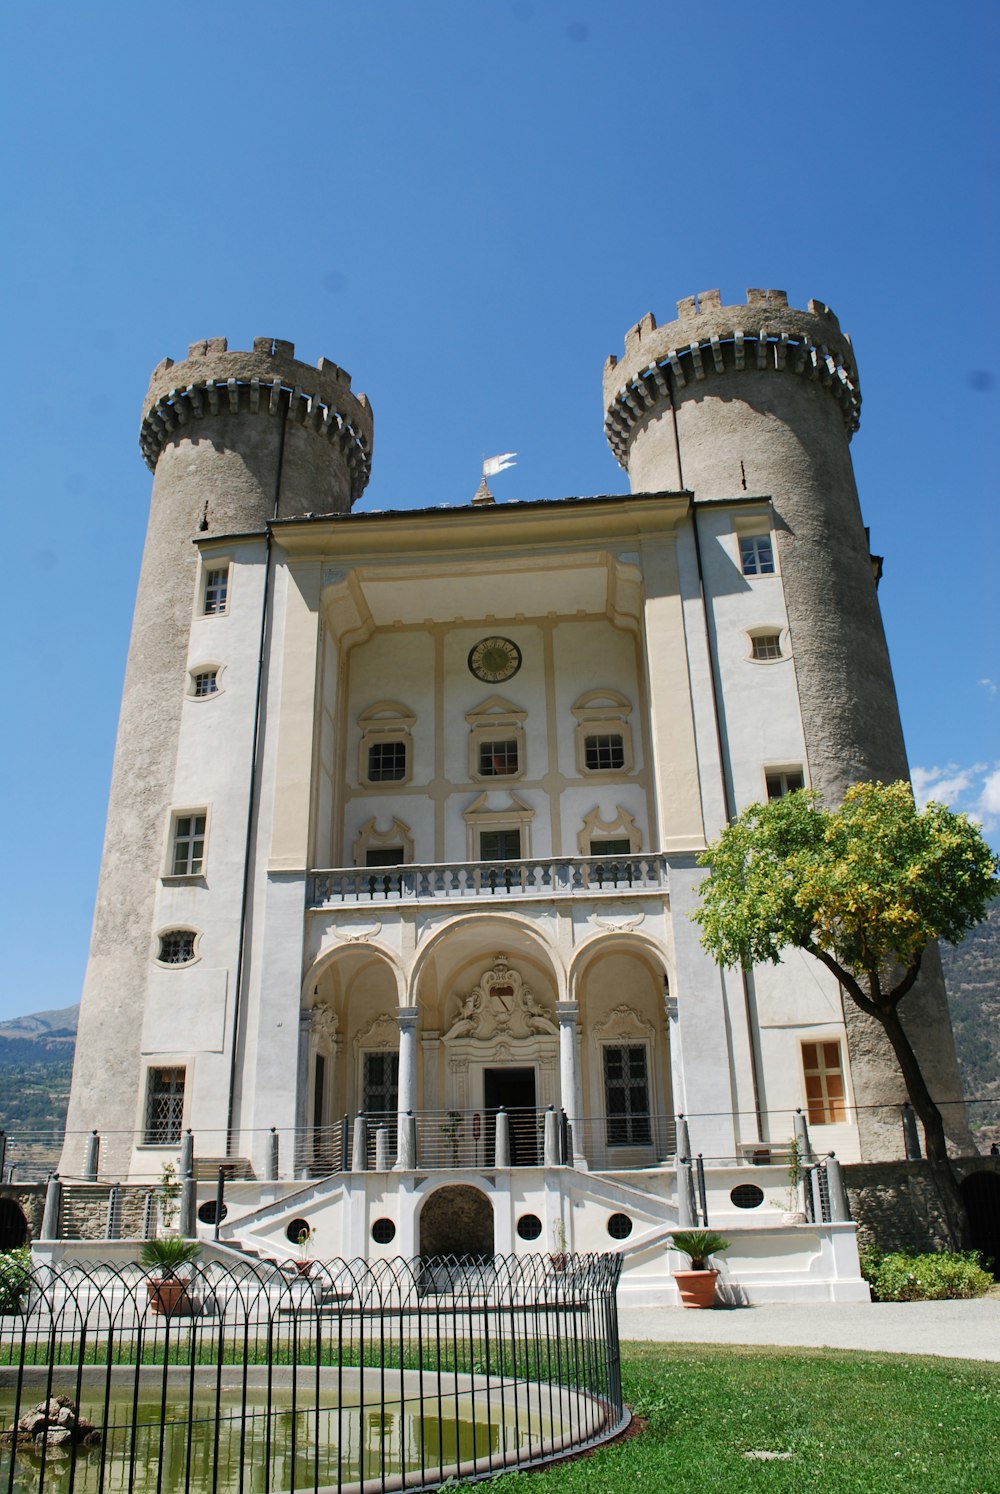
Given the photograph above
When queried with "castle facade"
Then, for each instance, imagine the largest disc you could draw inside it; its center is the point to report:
(394, 919)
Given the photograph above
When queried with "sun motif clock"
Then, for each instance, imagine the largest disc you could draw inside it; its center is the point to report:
(494, 660)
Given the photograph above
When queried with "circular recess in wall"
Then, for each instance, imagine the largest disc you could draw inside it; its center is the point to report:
(529, 1227)
(207, 1212)
(383, 1231)
(296, 1229)
(747, 1196)
(619, 1226)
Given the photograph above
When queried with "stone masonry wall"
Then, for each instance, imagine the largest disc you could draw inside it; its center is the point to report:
(895, 1204)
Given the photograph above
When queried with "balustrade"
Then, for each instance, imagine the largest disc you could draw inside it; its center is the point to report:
(547, 877)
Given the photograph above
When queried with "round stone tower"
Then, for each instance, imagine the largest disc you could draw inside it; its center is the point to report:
(762, 400)
(233, 439)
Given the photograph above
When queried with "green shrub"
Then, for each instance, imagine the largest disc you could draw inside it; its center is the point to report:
(15, 1277)
(925, 1278)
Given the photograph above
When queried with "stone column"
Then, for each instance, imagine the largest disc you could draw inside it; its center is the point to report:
(407, 1017)
(568, 1012)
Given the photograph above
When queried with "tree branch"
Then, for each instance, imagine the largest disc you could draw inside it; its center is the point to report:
(907, 983)
(849, 981)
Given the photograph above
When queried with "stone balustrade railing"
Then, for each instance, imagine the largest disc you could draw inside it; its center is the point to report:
(570, 876)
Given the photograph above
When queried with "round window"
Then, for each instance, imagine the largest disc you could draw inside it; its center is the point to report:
(297, 1229)
(529, 1226)
(619, 1226)
(747, 1196)
(383, 1231)
(207, 1212)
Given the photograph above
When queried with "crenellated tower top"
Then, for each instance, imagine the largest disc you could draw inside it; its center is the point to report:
(708, 338)
(266, 381)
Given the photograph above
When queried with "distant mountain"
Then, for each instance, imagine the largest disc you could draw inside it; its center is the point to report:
(41, 1038)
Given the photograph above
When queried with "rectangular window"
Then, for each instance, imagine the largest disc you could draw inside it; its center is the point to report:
(756, 555)
(608, 848)
(188, 856)
(766, 645)
(381, 1084)
(164, 1107)
(604, 751)
(497, 759)
(626, 1095)
(780, 784)
(205, 683)
(499, 845)
(386, 762)
(384, 856)
(216, 590)
(824, 1076)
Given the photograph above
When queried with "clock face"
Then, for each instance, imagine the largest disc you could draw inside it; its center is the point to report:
(494, 660)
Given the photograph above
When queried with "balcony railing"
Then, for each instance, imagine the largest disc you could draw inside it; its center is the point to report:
(569, 876)
(467, 1138)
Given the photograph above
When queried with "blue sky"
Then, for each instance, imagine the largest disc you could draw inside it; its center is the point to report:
(466, 205)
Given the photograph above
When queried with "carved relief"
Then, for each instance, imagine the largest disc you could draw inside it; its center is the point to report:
(500, 1006)
(322, 1021)
(624, 1022)
(382, 1032)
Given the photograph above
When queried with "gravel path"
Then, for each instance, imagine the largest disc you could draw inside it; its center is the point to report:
(957, 1330)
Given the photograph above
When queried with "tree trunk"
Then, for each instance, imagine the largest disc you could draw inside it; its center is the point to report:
(955, 1213)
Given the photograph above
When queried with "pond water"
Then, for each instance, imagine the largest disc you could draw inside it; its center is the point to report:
(262, 1440)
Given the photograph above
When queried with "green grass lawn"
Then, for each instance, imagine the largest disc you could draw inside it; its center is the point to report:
(854, 1424)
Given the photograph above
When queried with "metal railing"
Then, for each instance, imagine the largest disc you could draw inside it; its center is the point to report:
(545, 877)
(394, 1374)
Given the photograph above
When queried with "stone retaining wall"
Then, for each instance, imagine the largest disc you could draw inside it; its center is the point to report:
(896, 1205)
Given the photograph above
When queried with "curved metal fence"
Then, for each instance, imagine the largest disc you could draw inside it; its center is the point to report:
(341, 1375)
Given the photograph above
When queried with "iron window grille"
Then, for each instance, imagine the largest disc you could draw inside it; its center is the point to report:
(164, 1107)
(177, 947)
(626, 1095)
(206, 682)
(499, 845)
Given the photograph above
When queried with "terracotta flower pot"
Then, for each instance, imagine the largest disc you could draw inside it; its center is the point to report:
(697, 1288)
(170, 1296)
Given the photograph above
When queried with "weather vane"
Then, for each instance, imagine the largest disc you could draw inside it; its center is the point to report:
(491, 466)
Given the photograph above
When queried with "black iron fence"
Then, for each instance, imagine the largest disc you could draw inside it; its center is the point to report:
(341, 1375)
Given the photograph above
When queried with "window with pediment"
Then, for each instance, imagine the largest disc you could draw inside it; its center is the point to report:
(496, 740)
(385, 753)
(603, 733)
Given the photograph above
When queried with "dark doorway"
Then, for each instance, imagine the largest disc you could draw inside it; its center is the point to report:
(514, 1090)
(13, 1225)
(981, 1193)
(457, 1222)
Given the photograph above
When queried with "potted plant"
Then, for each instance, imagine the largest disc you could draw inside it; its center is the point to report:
(169, 1195)
(303, 1240)
(793, 1213)
(169, 1293)
(697, 1286)
(558, 1257)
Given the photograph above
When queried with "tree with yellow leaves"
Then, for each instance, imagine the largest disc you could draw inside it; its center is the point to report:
(864, 888)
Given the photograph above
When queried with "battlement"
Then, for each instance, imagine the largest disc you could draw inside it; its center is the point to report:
(708, 338)
(266, 380)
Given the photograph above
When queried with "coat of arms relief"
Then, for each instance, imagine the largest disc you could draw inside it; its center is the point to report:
(500, 1006)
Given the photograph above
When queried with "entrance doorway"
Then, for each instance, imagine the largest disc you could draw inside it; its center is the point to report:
(981, 1194)
(514, 1090)
(457, 1223)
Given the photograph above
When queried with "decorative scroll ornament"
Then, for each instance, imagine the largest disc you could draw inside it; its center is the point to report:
(624, 1022)
(500, 1006)
(353, 933)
